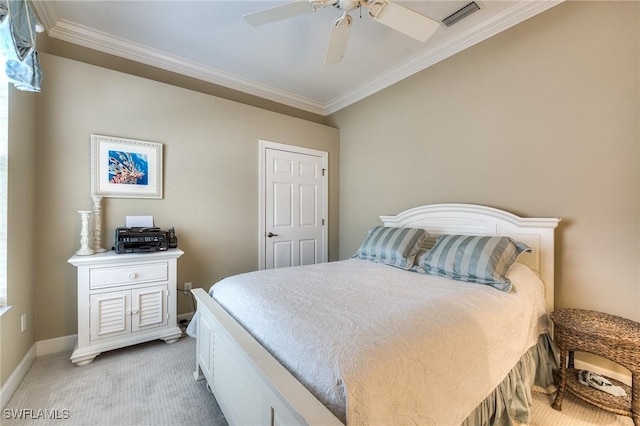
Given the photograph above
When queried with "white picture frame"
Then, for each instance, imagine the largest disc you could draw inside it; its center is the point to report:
(125, 168)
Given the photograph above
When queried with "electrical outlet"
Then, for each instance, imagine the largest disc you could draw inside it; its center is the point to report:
(187, 286)
(23, 322)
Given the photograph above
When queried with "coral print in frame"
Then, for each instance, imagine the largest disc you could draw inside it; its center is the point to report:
(125, 168)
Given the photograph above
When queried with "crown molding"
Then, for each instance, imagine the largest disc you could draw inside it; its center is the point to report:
(514, 15)
(87, 37)
(46, 13)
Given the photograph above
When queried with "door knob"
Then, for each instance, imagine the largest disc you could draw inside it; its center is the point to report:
(271, 234)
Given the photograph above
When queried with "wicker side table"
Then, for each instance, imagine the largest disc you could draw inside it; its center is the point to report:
(608, 336)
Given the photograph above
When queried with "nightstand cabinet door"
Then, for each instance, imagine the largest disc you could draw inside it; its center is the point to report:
(128, 311)
(110, 314)
(148, 308)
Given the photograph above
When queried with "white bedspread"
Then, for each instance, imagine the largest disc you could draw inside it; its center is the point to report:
(379, 345)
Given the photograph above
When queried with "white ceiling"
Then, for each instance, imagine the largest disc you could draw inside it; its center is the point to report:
(282, 61)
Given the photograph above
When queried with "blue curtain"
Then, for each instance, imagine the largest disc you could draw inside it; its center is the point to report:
(18, 44)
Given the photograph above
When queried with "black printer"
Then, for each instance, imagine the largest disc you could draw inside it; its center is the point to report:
(142, 240)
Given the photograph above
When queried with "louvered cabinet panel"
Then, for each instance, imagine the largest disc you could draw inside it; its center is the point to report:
(148, 308)
(110, 314)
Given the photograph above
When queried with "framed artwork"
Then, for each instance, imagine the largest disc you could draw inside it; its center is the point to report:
(125, 168)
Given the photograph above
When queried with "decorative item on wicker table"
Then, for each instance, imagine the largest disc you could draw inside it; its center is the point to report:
(605, 335)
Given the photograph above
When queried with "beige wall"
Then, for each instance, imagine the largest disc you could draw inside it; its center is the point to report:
(14, 344)
(93, 57)
(210, 176)
(541, 120)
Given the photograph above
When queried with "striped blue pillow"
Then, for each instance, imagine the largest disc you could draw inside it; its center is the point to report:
(482, 260)
(392, 246)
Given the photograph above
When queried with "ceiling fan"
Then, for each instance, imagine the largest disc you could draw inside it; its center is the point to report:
(385, 12)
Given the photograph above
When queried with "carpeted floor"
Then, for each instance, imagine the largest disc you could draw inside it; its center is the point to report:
(152, 384)
(574, 413)
(147, 384)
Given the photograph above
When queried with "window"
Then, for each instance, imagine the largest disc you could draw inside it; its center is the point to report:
(4, 148)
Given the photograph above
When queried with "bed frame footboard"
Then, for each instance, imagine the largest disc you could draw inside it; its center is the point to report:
(250, 385)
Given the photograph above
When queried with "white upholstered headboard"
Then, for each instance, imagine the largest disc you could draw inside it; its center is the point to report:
(470, 219)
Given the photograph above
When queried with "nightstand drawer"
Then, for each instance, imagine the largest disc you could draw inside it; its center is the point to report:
(108, 277)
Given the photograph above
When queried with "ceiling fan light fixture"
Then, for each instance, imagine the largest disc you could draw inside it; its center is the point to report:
(348, 5)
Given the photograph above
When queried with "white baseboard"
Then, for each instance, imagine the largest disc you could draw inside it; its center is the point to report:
(10, 386)
(40, 348)
(54, 346)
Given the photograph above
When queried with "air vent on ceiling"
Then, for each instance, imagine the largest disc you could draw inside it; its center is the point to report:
(461, 14)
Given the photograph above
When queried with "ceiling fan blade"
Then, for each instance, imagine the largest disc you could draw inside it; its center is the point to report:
(279, 13)
(405, 20)
(338, 40)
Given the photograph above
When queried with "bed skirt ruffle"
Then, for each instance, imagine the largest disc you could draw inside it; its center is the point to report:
(510, 402)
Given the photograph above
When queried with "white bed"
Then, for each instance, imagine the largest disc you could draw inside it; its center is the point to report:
(253, 387)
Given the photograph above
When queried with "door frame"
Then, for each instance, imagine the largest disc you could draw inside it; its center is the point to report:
(263, 146)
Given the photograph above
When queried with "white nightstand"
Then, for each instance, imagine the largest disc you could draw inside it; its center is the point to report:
(125, 299)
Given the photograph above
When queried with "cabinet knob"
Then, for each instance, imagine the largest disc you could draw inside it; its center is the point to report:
(132, 275)
(134, 312)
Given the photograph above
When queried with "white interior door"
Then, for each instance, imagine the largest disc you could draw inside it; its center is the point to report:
(294, 207)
